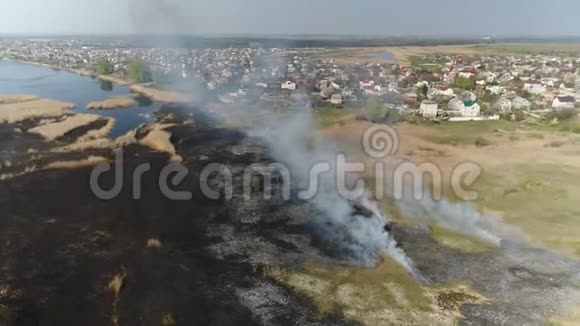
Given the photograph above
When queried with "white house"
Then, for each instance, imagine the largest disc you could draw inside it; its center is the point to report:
(336, 99)
(467, 109)
(564, 102)
(290, 85)
(471, 111)
(428, 109)
(535, 88)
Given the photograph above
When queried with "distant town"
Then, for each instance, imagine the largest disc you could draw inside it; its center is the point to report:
(434, 86)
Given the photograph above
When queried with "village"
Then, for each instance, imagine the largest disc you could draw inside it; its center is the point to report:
(433, 87)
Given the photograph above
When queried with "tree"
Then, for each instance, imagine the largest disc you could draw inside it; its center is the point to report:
(104, 67)
(467, 84)
(375, 110)
(424, 90)
(140, 72)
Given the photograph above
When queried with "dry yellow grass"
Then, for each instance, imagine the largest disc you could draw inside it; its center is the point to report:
(114, 288)
(349, 56)
(158, 139)
(154, 244)
(98, 133)
(524, 183)
(403, 54)
(39, 108)
(113, 103)
(162, 95)
(55, 130)
(386, 295)
(17, 98)
(114, 80)
(90, 161)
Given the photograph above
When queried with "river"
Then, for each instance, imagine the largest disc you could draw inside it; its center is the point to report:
(21, 78)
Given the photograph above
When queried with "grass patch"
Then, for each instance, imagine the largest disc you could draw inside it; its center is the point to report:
(466, 133)
(329, 116)
(7, 315)
(386, 295)
(378, 296)
(514, 137)
(571, 126)
(424, 63)
(459, 241)
(539, 199)
(555, 144)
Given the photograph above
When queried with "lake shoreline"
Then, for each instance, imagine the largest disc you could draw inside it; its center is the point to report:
(155, 94)
(73, 86)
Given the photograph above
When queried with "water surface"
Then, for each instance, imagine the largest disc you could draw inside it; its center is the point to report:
(20, 78)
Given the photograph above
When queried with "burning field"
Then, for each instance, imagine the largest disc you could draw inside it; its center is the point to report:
(70, 258)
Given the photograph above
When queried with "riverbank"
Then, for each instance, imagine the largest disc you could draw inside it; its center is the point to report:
(19, 108)
(155, 94)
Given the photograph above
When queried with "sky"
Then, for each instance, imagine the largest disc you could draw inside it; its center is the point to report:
(264, 17)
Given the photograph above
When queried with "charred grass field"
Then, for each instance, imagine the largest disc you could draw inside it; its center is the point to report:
(70, 258)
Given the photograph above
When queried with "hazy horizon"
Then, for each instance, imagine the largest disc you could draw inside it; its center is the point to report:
(446, 18)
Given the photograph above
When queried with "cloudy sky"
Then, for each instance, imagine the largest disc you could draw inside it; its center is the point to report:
(360, 17)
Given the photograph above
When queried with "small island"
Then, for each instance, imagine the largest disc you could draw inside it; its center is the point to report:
(16, 108)
(113, 103)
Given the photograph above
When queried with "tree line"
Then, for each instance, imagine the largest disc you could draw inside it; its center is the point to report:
(137, 70)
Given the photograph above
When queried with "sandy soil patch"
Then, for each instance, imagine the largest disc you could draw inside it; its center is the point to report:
(99, 133)
(20, 111)
(17, 98)
(55, 130)
(113, 103)
(161, 95)
(80, 146)
(158, 139)
(90, 161)
(114, 80)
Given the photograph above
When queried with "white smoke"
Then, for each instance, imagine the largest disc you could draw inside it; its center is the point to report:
(460, 217)
(295, 144)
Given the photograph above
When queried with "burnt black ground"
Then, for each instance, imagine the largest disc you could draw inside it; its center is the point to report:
(60, 246)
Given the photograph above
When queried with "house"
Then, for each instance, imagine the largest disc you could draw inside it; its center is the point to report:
(410, 97)
(564, 102)
(336, 99)
(470, 110)
(503, 105)
(535, 88)
(467, 73)
(290, 85)
(467, 108)
(463, 74)
(367, 83)
(428, 109)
